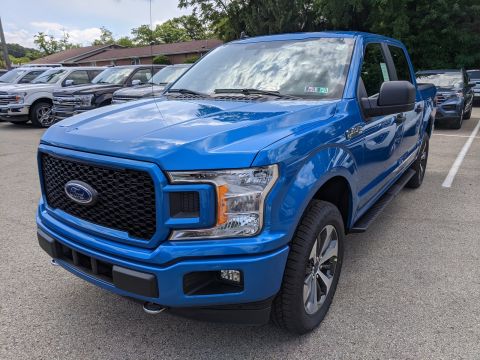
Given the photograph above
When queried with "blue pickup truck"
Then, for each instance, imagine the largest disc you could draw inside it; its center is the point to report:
(229, 197)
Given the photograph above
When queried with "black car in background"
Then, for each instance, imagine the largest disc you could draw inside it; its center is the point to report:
(154, 87)
(77, 99)
(474, 76)
(454, 99)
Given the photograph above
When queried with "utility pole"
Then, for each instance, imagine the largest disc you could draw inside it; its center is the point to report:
(8, 65)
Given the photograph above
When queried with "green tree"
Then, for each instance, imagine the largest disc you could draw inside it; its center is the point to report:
(143, 35)
(106, 37)
(161, 60)
(125, 41)
(191, 59)
(49, 45)
(170, 32)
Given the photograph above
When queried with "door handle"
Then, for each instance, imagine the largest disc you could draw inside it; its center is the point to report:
(418, 108)
(400, 118)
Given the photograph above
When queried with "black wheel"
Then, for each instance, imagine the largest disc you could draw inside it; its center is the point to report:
(420, 165)
(468, 114)
(41, 115)
(312, 270)
(458, 122)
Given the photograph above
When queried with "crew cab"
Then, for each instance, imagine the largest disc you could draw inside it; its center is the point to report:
(229, 197)
(155, 86)
(20, 103)
(21, 75)
(99, 93)
(454, 100)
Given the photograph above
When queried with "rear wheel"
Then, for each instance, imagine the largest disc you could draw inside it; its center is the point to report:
(41, 115)
(312, 270)
(420, 165)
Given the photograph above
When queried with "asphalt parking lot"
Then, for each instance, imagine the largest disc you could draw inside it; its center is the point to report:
(410, 286)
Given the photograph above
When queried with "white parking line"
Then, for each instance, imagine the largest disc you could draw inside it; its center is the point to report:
(450, 135)
(461, 155)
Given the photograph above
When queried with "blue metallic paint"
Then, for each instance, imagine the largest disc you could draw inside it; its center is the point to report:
(305, 138)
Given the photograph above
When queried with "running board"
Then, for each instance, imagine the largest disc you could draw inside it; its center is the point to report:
(369, 217)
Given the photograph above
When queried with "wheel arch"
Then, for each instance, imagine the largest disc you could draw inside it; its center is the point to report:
(41, 99)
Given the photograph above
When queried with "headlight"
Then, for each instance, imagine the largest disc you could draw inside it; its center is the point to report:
(18, 98)
(240, 200)
(84, 100)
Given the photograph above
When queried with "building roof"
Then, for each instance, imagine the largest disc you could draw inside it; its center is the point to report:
(72, 55)
(187, 47)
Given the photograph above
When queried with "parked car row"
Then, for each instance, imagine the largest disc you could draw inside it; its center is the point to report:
(45, 95)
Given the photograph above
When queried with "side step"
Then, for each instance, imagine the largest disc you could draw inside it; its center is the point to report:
(369, 217)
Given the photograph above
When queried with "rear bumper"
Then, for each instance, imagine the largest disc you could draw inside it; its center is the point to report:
(165, 283)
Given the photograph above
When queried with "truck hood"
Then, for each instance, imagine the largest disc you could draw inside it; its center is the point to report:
(90, 89)
(140, 91)
(187, 134)
(28, 87)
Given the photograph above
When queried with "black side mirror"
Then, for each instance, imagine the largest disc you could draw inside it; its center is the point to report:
(394, 97)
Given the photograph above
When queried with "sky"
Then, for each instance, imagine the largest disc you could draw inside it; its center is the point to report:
(82, 19)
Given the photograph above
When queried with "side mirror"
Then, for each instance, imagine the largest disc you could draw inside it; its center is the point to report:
(69, 82)
(394, 97)
(136, 82)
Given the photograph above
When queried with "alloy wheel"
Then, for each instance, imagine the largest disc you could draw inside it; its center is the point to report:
(320, 269)
(45, 116)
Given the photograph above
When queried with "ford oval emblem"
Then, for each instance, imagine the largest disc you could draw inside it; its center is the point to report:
(80, 192)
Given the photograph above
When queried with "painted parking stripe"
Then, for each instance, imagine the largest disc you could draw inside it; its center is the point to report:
(461, 155)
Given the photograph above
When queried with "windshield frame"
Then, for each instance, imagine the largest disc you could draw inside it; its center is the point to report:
(344, 79)
(110, 71)
(53, 71)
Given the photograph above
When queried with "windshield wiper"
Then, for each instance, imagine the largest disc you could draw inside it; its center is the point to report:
(186, 91)
(248, 91)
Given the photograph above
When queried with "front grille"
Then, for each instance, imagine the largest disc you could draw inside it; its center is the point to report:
(440, 98)
(124, 98)
(64, 104)
(6, 99)
(126, 198)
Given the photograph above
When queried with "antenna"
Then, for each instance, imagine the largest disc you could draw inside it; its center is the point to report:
(151, 44)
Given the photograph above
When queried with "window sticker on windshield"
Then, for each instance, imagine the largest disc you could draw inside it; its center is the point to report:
(383, 66)
(316, 89)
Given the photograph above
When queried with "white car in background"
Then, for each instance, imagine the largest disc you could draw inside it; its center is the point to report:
(20, 103)
(21, 75)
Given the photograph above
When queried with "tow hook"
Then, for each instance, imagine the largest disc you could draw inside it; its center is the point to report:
(53, 262)
(152, 308)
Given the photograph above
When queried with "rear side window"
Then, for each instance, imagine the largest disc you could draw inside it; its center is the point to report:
(144, 75)
(30, 76)
(401, 63)
(79, 77)
(374, 70)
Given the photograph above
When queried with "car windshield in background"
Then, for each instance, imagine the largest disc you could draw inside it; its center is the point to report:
(167, 75)
(12, 75)
(115, 76)
(315, 68)
(49, 76)
(474, 75)
(446, 80)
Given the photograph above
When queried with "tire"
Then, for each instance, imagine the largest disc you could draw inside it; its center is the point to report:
(41, 115)
(458, 122)
(420, 164)
(468, 115)
(294, 308)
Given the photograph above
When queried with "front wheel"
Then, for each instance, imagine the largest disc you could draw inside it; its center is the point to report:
(420, 164)
(312, 270)
(457, 124)
(41, 115)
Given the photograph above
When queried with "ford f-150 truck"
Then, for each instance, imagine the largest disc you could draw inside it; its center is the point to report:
(68, 102)
(20, 103)
(21, 75)
(229, 197)
(155, 86)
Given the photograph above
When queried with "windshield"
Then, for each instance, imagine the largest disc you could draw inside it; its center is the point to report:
(451, 79)
(168, 75)
(116, 76)
(12, 75)
(314, 68)
(474, 75)
(49, 76)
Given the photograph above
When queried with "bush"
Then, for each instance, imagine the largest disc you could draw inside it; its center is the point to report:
(161, 60)
(192, 59)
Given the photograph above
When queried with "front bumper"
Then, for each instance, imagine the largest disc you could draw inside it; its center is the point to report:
(62, 113)
(450, 109)
(261, 273)
(14, 112)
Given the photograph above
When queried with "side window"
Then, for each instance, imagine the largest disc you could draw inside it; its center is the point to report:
(79, 77)
(144, 75)
(30, 76)
(401, 63)
(93, 73)
(374, 70)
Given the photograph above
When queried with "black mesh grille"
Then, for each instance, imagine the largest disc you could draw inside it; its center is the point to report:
(184, 204)
(126, 198)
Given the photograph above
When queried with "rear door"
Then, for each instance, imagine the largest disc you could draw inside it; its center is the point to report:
(412, 119)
